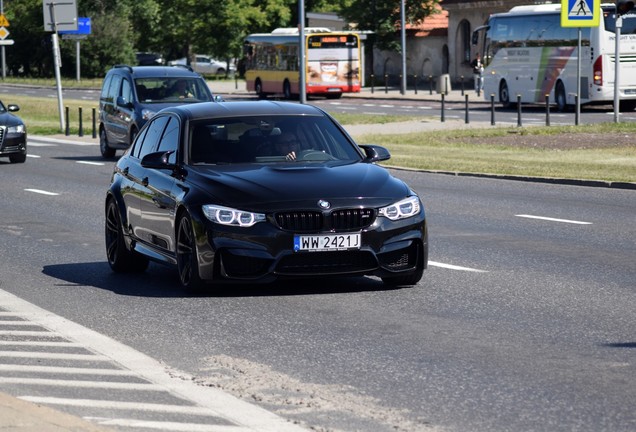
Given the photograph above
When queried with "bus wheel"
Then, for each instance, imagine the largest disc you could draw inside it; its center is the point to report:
(504, 95)
(559, 96)
(258, 86)
(287, 90)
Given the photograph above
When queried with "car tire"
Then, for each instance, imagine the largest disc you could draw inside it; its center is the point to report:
(406, 280)
(19, 158)
(187, 263)
(120, 258)
(104, 148)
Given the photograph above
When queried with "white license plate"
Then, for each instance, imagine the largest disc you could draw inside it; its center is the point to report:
(326, 242)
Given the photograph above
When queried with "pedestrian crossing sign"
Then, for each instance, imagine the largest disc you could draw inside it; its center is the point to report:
(580, 13)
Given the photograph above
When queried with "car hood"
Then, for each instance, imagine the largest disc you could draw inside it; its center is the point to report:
(8, 119)
(284, 185)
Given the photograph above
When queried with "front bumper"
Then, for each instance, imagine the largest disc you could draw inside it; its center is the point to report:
(265, 252)
(12, 143)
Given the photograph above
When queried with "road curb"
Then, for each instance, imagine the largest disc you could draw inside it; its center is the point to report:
(530, 179)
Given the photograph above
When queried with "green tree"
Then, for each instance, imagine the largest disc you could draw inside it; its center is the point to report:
(382, 18)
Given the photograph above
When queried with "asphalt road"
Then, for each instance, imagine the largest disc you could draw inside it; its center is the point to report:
(524, 320)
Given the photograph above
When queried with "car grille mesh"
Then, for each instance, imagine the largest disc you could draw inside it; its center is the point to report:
(306, 221)
(2, 131)
(338, 220)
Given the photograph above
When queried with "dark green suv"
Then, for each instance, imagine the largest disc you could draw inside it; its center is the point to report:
(133, 94)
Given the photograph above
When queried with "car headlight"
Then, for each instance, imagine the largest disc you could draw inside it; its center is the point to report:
(406, 208)
(147, 114)
(16, 129)
(230, 216)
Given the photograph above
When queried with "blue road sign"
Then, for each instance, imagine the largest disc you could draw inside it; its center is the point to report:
(83, 27)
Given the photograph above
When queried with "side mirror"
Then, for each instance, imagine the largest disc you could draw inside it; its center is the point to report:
(13, 108)
(157, 160)
(218, 98)
(375, 153)
(121, 101)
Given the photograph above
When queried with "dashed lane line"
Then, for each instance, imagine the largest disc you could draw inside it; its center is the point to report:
(42, 192)
(550, 219)
(454, 267)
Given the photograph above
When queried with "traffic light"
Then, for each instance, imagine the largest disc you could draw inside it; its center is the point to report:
(624, 6)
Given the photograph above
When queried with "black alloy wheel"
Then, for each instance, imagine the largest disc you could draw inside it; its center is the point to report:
(119, 257)
(187, 264)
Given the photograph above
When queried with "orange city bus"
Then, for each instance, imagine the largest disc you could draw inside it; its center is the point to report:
(332, 67)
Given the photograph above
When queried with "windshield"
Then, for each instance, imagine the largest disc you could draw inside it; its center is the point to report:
(264, 140)
(163, 90)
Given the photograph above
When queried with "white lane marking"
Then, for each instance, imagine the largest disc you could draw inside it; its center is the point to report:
(33, 156)
(65, 370)
(38, 144)
(553, 219)
(45, 141)
(28, 333)
(81, 384)
(111, 404)
(225, 406)
(42, 192)
(454, 267)
(40, 344)
(91, 163)
(56, 356)
(167, 426)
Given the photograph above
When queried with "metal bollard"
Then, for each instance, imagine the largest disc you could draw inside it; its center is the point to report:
(576, 114)
(94, 123)
(67, 129)
(415, 83)
(466, 120)
(462, 78)
(492, 109)
(547, 110)
(519, 110)
(386, 83)
(430, 84)
(443, 119)
(372, 84)
(81, 126)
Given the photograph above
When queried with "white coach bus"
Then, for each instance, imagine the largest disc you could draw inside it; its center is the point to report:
(526, 52)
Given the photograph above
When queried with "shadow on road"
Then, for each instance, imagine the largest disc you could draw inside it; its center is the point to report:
(159, 281)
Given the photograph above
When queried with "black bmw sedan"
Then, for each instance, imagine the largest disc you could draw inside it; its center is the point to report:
(255, 191)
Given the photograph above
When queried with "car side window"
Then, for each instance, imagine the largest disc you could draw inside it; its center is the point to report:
(126, 90)
(106, 87)
(138, 143)
(170, 139)
(113, 89)
(153, 134)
